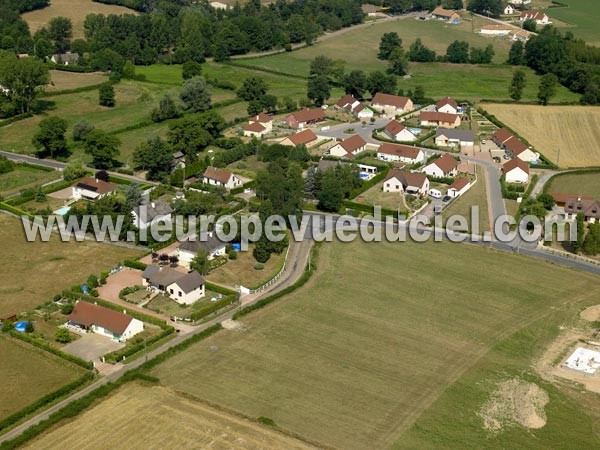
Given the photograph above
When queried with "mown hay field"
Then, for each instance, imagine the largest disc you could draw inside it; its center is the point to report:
(396, 345)
(62, 81)
(580, 183)
(575, 130)
(152, 417)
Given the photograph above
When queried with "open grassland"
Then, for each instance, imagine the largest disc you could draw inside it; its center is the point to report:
(76, 10)
(28, 374)
(581, 17)
(583, 183)
(62, 81)
(29, 269)
(163, 419)
(575, 130)
(23, 178)
(362, 355)
(475, 196)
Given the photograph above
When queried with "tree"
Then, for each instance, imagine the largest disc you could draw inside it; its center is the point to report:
(458, 52)
(530, 25)
(189, 137)
(398, 62)
(254, 107)
(580, 224)
(155, 156)
(81, 129)
(490, 8)
(22, 79)
(40, 196)
(591, 243)
(252, 88)
(516, 54)
(191, 69)
(106, 95)
(29, 328)
(269, 102)
(200, 263)
(63, 336)
(419, 53)
(355, 83)
(482, 56)
(547, 88)
(517, 85)
(50, 138)
(73, 170)
(43, 49)
(547, 200)
(389, 41)
(419, 95)
(167, 109)
(319, 89)
(381, 82)
(195, 95)
(331, 194)
(60, 30)
(103, 148)
(133, 196)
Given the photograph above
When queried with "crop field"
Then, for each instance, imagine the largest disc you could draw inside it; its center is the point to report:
(76, 10)
(397, 345)
(28, 374)
(580, 16)
(583, 183)
(28, 276)
(23, 178)
(163, 419)
(61, 80)
(574, 130)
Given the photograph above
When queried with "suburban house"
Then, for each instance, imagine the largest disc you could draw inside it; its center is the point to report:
(208, 242)
(158, 211)
(496, 30)
(513, 146)
(439, 119)
(65, 59)
(454, 138)
(447, 105)
(446, 15)
(407, 182)
(443, 167)
(264, 119)
(254, 129)
(508, 9)
(520, 35)
(214, 176)
(107, 322)
(398, 132)
(400, 153)
(92, 188)
(304, 137)
(391, 104)
(459, 187)
(539, 17)
(184, 288)
(305, 117)
(516, 171)
(372, 10)
(350, 104)
(561, 199)
(219, 5)
(363, 112)
(576, 204)
(348, 147)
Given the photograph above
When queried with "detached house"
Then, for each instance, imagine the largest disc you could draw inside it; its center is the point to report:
(146, 214)
(496, 30)
(459, 187)
(349, 104)
(443, 167)
(66, 59)
(398, 132)
(107, 322)
(208, 242)
(184, 288)
(304, 137)
(439, 119)
(508, 9)
(446, 15)
(305, 117)
(400, 153)
(407, 182)
(454, 138)
(516, 171)
(539, 17)
(576, 204)
(391, 104)
(348, 147)
(258, 126)
(92, 188)
(214, 176)
(447, 105)
(513, 146)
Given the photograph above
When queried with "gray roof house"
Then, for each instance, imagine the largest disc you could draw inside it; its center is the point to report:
(184, 288)
(445, 137)
(208, 242)
(157, 211)
(65, 58)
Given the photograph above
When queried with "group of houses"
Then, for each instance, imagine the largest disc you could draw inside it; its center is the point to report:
(349, 104)
(520, 155)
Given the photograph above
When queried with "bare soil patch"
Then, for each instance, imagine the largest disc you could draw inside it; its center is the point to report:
(591, 314)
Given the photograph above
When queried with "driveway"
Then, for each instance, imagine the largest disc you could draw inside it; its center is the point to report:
(92, 347)
(337, 131)
(117, 282)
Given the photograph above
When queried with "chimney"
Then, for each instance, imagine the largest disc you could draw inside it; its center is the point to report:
(97, 180)
(578, 198)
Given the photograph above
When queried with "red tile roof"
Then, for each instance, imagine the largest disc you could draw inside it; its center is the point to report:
(411, 179)
(404, 151)
(95, 185)
(353, 143)
(459, 184)
(347, 99)
(446, 101)
(303, 137)
(257, 127)
(390, 100)
(88, 314)
(220, 175)
(447, 163)
(262, 118)
(394, 127)
(502, 135)
(434, 116)
(308, 115)
(515, 163)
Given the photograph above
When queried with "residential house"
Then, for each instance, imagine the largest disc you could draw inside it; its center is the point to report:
(184, 288)
(92, 188)
(447, 105)
(363, 112)
(446, 15)
(254, 129)
(520, 35)
(513, 146)
(107, 322)
(400, 153)
(539, 17)
(371, 10)
(439, 119)
(219, 5)
(349, 104)
(348, 147)
(66, 59)
(454, 138)
(496, 30)
(264, 119)
(519, 2)
(407, 182)
(561, 199)
(305, 117)
(146, 214)
(178, 160)
(459, 187)
(516, 171)
(443, 167)
(398, 132)
(214, 176)
(576, 204)
(508, 9)
(304, 137)
(391, 105)
(207, 242)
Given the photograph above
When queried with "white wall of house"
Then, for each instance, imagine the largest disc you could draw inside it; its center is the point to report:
(177, 294)
(403, 136)
(135, 326)
(434, 171)
(143, 224)
(527, 156)
(392, 185)
(447, 109)
(257, 134)
(396, 158)
(517, 175)
(366, 113)
(337, 150)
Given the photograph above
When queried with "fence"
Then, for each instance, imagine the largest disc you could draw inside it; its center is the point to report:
(276, 276)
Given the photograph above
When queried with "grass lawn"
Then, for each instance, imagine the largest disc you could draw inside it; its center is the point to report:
(585, 184)
(580, 16)
(476, 195)
(511, 207)
(61, 80)
(29, 274)
(376, 197)
(372, 355)
(23, 178)
(166, 305)
(28, 374)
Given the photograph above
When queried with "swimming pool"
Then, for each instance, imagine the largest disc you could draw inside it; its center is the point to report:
(62, 211)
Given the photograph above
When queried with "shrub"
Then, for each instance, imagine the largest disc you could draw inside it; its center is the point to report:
(135, 264)
(67, 308)
(258, 266)
(63, 336)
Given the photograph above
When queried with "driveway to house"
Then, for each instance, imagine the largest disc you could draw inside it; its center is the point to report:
(338, 131)
(92, 346)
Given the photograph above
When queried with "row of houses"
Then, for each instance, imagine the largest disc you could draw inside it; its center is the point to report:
(516, 170)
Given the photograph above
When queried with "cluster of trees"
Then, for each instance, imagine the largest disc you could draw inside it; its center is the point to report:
(490, 8)
(390, 49)
(459, 52)
(254, 91)
(588, 243)
(21, 79)
(332, 186)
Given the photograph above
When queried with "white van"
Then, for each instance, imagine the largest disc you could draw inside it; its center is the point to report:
(435, 193)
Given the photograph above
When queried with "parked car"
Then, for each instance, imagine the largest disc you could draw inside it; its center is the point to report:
(483, 141)
(497, 159)
(435, 193)
(446, 198)
(505, 156)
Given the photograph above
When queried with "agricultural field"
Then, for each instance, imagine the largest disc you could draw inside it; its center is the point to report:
(579, 17)
(582, 183)
(28, 374)
(63, 81)
(575, 130)
(475, 196)
(28, 277)
(369, 356)
(76, 10)
(23, 178)
(163, 419)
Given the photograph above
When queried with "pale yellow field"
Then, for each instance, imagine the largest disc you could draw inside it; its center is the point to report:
(144, 417)
(76, 10)
(575, 130)
(61, 81)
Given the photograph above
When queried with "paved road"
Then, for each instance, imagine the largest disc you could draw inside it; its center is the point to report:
(366, 132)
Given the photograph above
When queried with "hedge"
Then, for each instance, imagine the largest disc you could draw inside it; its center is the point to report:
(212, 307)
(16, 118)
(369, 184)
(241, 189)
(219, 289)
(126, 352)
(19, 212)
(371, 209)
(132, 264)
(91, 87)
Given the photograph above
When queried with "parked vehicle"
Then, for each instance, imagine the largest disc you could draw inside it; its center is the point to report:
(446, 198)
(435, 193)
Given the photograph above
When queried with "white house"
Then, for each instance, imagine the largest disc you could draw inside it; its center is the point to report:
(496, 30)
(184, 288)
(214, 176)
(65, 58)
(154, 212)
(219, 5)
(363, 112)
(439, 119)
(539, 17)
(459, 187)
(447, 105)
(391, 104)
(443, 167)
(407, 182)
(400, 153)
(445, 137)
(207, 242)
(513, 146)
(258, 125)
(519, 2)
(508, 9)
(516, 171)
(92, 188)
(107, 322)
(348, 147)
(398, 132)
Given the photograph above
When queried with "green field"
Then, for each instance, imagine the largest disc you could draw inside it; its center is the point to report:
(23, 178)
(28, 374)
(476, 195)
(582, 183)
(581, 17)
(398, 345)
